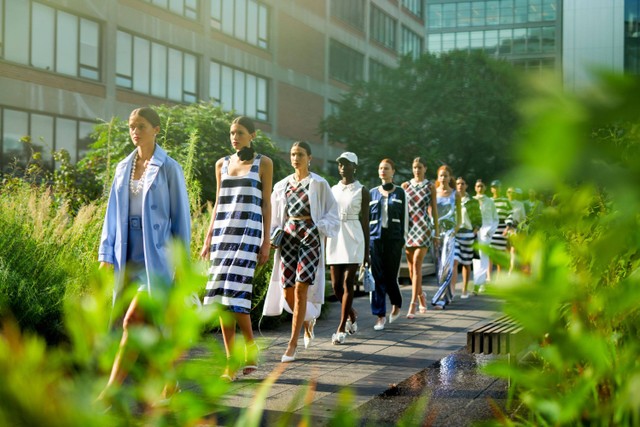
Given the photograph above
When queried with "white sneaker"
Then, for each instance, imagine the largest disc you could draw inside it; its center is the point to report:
(338, 338)
(380, 323)
(464, 296)
(482, 289)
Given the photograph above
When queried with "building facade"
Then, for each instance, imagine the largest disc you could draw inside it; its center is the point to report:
(65, 64)
(525, 32)
(571, 37)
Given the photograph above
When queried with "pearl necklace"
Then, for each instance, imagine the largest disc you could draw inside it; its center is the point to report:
(135, 189)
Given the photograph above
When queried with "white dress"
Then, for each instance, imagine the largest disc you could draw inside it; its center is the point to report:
(348, 246)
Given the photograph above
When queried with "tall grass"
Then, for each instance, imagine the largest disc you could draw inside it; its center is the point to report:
(45, 255)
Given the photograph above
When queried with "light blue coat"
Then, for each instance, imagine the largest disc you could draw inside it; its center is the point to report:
(165, 215)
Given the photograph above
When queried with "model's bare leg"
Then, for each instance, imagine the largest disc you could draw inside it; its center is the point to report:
(297, 299)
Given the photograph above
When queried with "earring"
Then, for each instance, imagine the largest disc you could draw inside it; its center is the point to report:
(309, 164)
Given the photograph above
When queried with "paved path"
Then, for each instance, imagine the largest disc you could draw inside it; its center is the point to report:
(369, 361)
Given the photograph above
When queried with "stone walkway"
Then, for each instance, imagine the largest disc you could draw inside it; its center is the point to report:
(369, 362)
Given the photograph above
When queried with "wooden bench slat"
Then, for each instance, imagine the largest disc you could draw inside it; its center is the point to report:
(495, 337)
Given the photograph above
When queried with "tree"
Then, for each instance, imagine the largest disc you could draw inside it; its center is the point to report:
(458, 108)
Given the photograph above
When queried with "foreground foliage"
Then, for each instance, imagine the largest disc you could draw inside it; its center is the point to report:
(579, 307)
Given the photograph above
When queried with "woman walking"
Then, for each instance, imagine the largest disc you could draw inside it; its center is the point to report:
(423, 227)
(448, 207)
(388, 228)
(304, 208)
(488, 228)
(148, 207)
(235, 241)
(350, 247)
(499, 240)
(470, 222)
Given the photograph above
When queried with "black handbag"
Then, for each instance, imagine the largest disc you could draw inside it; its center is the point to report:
(276, 237)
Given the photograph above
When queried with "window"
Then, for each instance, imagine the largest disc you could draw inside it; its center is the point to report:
(549, 10)
(350, 11)
(548, 39)
(491, 42)
(506, 40)
(186, 8)
(345, 64)
(632, 37)
(383, 28)
(48, 133)
(478, 14)
(534, 36)
(520, 11)
(463, 15)
(477, 40)
(449, 15)
(237, 90)
(376, 70)
(535, 65)
(448, 42)
(246, 20)
(155, 69)
(506, 11)
(50, 39)
(434, 16)
(519, 40)
(413, 6)
(435, 43)
(535, 10)
(462, 40)
(411, 43)
(493, 12)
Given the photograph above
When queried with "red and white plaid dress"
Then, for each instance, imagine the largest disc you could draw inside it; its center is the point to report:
(420, 225)
(301, 248)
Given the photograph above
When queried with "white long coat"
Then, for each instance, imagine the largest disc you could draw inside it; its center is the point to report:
(324, 213)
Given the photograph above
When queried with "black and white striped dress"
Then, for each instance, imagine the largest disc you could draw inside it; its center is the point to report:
(465, 237)
(236, 240)
(498, 241)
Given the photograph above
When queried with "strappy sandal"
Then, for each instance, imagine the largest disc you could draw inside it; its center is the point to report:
(423, 308)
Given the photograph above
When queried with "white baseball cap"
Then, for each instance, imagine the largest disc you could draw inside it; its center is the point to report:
(348, 155)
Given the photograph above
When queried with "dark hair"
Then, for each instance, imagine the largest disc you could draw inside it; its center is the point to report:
(246, 122)
(305, 146)
(462, 178)
(147, 113)
(479, 180)
(387, 160)
(419, 160)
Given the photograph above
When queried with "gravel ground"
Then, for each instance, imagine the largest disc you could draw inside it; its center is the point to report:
(458, 395)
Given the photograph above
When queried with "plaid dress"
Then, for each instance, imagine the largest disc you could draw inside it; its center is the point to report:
(301, 248)
(420, 225)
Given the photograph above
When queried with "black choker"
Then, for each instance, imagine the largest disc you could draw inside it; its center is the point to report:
(246, 153)
(388, 186)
